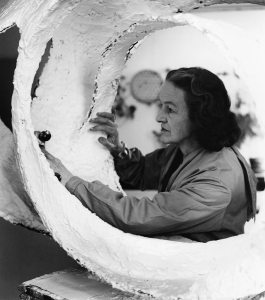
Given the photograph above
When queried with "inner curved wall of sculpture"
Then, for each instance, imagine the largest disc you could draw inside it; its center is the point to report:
(91, 44)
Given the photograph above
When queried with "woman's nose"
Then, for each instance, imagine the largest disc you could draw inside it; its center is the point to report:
(160, 117)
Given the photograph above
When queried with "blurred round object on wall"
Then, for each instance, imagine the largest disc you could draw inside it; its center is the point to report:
(145, 86)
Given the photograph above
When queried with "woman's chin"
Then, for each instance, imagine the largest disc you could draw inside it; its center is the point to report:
(165, 139)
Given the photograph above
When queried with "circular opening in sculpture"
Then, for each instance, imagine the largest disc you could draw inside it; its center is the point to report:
(111, 63)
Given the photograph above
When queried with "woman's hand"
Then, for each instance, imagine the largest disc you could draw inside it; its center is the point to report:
(105, 122)
(57, 166)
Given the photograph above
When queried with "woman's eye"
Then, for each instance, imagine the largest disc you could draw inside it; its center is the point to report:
(170, 110)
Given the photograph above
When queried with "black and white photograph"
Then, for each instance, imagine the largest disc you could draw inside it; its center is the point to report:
(132, 149)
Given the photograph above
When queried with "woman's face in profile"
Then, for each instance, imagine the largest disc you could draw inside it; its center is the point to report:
(176, 127)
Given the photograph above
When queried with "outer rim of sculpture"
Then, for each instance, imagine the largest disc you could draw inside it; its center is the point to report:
(52, 181)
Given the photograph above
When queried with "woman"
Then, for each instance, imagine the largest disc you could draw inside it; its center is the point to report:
(206, 190)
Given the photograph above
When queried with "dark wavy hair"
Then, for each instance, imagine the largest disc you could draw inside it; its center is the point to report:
(215, 126)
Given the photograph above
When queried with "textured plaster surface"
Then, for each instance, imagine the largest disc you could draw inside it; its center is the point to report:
(90, 44)
(15, 205)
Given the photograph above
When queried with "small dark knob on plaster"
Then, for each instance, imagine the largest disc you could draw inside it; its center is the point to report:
(44, 136)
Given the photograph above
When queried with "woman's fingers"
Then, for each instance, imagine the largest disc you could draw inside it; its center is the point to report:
(104, 121)
(105, 128)
(107, 115)
(52, 159)
(114, 149)
(46, 153)
(105, 142)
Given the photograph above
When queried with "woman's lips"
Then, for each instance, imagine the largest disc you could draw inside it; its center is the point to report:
(163, 129)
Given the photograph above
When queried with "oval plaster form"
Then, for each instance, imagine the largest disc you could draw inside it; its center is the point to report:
(161, 268)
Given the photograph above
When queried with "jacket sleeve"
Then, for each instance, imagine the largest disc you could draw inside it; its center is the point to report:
(139, 172)
(199, 206)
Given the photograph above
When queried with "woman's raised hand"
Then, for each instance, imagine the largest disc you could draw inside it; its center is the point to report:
(57, 166)
(105, 122)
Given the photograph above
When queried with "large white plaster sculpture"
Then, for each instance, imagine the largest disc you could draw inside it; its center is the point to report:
(91, 42)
